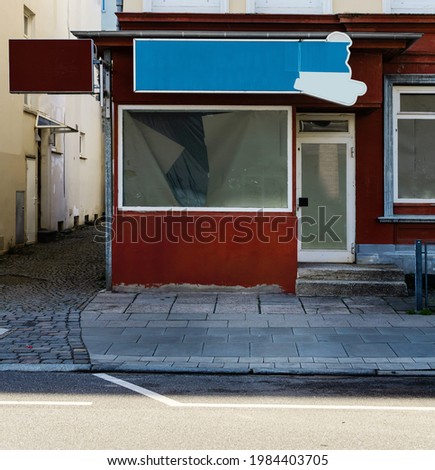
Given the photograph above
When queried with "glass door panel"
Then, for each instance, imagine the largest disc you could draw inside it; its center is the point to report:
(323, 201)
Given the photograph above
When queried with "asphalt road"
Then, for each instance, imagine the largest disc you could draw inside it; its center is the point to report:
(157, 412)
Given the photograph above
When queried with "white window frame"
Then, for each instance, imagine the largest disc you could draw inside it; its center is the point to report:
(147, 5)
(252, 8)
(424, 6)
(28, 23)
(123, 208)
(397, 115)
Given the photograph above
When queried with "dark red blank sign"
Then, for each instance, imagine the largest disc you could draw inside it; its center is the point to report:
(51, 66)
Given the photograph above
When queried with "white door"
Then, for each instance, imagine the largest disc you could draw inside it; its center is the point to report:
(31, 201)
(326, 188)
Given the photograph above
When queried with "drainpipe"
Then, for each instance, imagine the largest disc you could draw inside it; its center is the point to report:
(107, 125)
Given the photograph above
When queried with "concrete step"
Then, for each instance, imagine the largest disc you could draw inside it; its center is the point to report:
(356, 272)
(335, 279)
(311, 288)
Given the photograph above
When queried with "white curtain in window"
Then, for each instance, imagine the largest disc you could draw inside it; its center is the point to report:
(290, 6)
(409, 6)
(185, 6)
(205, 159)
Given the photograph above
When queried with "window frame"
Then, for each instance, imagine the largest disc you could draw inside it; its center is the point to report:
(144, 209)
(388, 7)
(399, 115)
(327, 9)
(28, 23)
(147, 5)
(390, 139)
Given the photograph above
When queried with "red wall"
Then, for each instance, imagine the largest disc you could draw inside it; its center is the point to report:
(207, 249)
(370, 179)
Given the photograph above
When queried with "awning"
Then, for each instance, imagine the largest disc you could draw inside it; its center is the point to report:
(45, 122)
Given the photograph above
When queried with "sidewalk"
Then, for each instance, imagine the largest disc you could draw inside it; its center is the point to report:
(256, 333)
(54, 316)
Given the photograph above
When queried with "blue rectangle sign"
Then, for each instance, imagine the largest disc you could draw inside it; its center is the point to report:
(243, 66)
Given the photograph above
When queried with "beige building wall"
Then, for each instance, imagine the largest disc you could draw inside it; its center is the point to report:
(357, 6)
(71, 182)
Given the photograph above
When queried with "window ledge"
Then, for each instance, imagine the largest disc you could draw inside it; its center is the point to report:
(407, 219)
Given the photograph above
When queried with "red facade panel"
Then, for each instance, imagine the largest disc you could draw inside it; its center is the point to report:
(51, 66)
(229, 249)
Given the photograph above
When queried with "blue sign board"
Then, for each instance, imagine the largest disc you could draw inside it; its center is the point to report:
(317, 68)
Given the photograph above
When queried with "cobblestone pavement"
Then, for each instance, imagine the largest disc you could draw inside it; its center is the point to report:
(43, 289)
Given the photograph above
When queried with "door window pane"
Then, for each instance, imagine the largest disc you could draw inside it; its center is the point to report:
(416, 159)
(324, 126)
(205, 159)
(417, 103)
(324, 219)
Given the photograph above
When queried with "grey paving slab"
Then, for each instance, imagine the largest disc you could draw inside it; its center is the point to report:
(187, 308)
(420, 338)
(281, 308)
(127, 323)
(288, 338)
(183, 349)
(196, 298)
(205, 338)
(248, 323)
(187, 316)
(379, 338)
(339, 338)
(278, 298)
(227, 316)
(357, 330)
(148, 296)
(237, 298)
(252, 338)
(414, 349)
(235, 349)
(292, 322)
(168, 324)
(208, 323)
(191, 331)
(149, 308)
(322, 322)
(162, 339)
(321, 349)
(237, 308)
(132, 349)
(150, 331)
(314, 330)
(146, 317)
(266, 331)
(273, 349)
(370, 350)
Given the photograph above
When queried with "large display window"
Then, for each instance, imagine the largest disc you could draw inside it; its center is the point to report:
(213, 159)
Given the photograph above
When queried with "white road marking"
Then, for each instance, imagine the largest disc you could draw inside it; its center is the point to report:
(44, 403)
(176, 404)
(140, 390)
